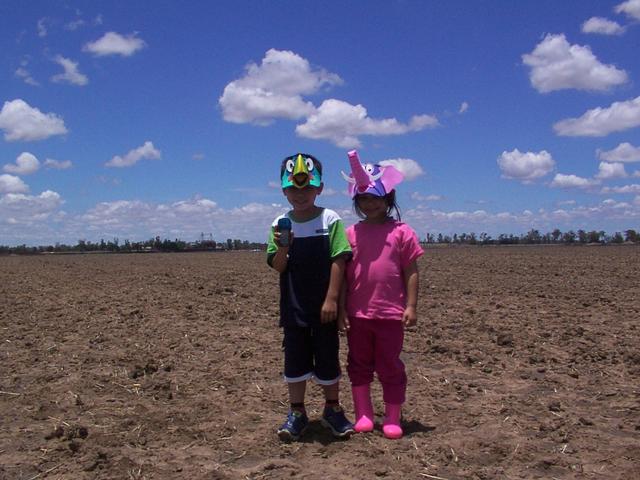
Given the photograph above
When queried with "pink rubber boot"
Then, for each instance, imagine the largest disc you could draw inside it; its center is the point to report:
(391, 425)
(363, 407)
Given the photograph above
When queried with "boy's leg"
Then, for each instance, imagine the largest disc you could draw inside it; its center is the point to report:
(333, 416)
(297, 420)
(298, 368)
(332, 393)
(327, 373)
(326, 368)
(297, 392)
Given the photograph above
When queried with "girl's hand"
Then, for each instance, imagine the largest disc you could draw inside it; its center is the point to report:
(410, 316)
(329, 311)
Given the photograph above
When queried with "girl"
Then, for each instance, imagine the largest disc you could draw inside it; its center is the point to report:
(381, 293)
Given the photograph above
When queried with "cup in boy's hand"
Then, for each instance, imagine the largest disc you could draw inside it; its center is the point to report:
(284, 227)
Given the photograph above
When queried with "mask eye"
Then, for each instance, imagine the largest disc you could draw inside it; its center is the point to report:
(309, 163)
(368, 168)
(289, 166)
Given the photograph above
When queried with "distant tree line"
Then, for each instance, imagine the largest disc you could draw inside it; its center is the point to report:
(534, 237)
(152, 245)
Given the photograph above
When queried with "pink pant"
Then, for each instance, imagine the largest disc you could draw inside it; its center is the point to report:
(375, 346)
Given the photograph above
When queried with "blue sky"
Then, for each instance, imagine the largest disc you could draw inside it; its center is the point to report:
(130, 120)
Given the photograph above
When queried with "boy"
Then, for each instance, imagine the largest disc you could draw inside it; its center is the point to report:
(311, 267)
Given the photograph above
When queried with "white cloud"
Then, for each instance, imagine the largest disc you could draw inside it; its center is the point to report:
(602, 26)
(57, 164)
(71, 73)
(18, 208)
(607, 171)
(42, 27)
(464, 107)
(195, 206)
(625, 152)
(74, 25)
(12, 184)
(599, 122)
(557, 65)
(26, 164)
(571, 181)
(342, 123)
(525, 167)
(20, 121)
(425, 198)
(184, 219)
(631, 8)
(604, 215)
(636, 173)
(112, 43)
(146, 151)
(24, 74)
(274, 89)
(633, 188)
(409, 168)
(260, 107)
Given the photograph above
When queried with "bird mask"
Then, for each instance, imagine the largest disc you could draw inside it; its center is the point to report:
(300, 170)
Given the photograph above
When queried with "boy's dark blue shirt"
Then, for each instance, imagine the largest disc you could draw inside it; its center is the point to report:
(303, 285)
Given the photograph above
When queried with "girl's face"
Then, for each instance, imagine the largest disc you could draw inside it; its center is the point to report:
(373, 207)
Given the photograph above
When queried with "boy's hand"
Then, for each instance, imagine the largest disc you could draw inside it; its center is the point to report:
(329, 311)
(276, 239)
(343, 321)
(409, 317)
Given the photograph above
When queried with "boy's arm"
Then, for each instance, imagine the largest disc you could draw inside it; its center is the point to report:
(411, 280)
(343, 319)
(277, 255)
(329, 311)
(279, 260)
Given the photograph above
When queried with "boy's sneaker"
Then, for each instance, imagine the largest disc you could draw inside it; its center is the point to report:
(294, 427)
(333, 418)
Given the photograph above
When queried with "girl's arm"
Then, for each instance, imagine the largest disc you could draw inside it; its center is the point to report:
(329, 311)
(411, 280)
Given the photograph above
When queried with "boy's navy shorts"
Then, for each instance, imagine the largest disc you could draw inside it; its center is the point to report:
(312, 352)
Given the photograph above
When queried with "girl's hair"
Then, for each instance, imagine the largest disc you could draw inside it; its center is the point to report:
(390, 200)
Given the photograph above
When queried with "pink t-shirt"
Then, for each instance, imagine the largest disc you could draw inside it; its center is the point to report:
(375, 283)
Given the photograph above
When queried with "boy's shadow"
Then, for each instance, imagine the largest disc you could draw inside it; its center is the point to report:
(317, 433)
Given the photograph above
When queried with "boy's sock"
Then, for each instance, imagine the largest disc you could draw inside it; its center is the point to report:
(298, 407)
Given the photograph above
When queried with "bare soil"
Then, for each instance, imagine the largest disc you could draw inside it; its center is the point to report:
(525, 364)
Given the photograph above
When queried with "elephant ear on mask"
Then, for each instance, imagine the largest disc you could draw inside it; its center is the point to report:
(370, 178)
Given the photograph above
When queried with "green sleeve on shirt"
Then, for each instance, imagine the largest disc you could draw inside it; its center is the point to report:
(271, 247)
(338, 239)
